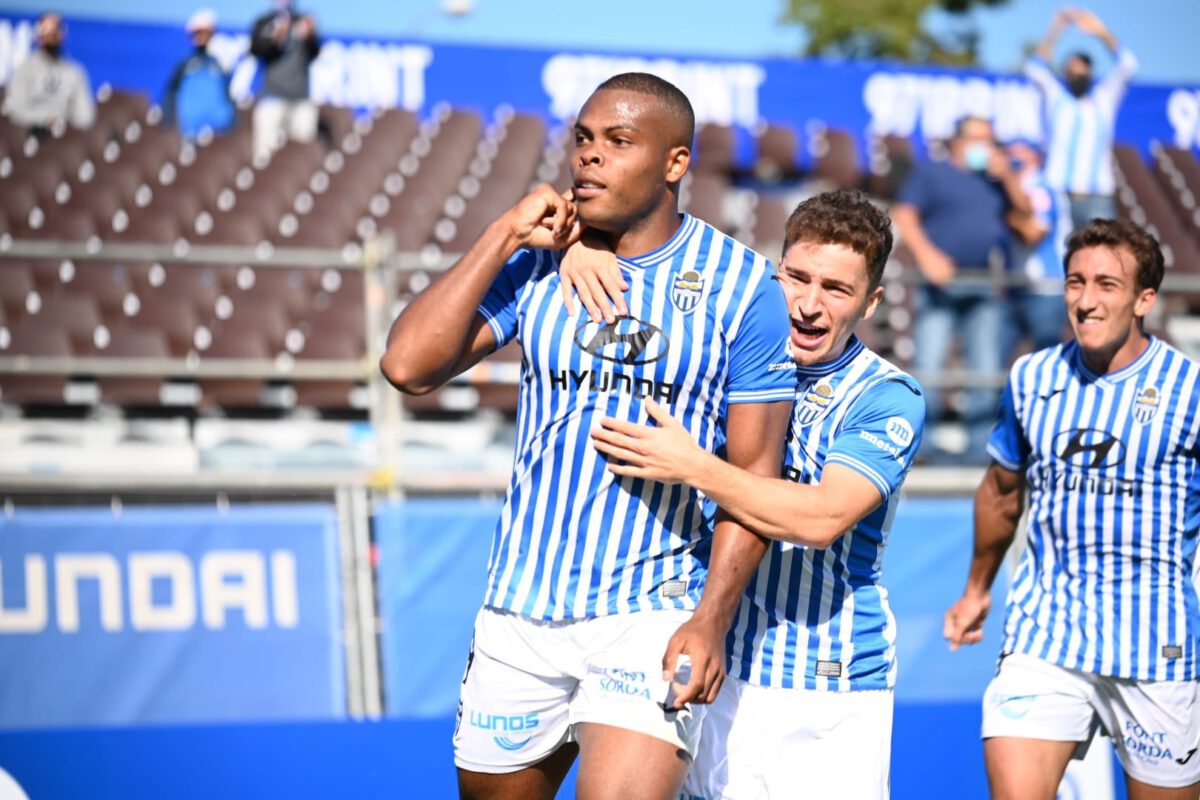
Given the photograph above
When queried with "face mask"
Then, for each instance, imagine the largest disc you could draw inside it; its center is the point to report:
(977, 156)
(1079, 85)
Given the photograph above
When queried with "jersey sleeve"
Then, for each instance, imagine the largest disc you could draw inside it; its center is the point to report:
(499, 306)
(1040, 74)
(761, 369)
(1007, 444)
(915, 189)
(882, 432)
(1112, 87)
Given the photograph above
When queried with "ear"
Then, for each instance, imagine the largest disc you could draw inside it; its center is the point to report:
(1145, 302)
(873, 299)
(679, 158)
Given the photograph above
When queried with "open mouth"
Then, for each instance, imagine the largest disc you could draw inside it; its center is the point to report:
(587, 187)
(807, 336)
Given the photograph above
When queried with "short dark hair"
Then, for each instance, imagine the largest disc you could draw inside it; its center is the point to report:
(961, 123)
(674, 101)
(1082, 56)
(1117, 233)
(848, 218)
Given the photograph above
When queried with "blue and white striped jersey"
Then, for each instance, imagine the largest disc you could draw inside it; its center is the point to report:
(1043, 262)
(707, 327)
(1105, 583)
(1079, 130)
(819, 619)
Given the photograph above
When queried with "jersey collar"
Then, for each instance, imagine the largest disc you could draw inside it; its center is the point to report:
(854, 346)
(1129, 369)
(687, 227)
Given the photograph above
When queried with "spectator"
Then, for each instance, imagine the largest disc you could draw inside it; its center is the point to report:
(1080, 115)
(1038, 248)
(286, 43)
(952, 216)
(197, 96)
(50, 91)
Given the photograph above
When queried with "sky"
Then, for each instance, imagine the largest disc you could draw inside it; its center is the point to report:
(1161, 33)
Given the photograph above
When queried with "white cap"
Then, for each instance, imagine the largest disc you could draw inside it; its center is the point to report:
(204, 19)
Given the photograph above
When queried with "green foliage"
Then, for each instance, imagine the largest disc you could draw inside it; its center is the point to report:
(890, 29)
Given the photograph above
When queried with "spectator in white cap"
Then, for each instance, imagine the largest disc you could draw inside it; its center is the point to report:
(50, 91)
(197, 94)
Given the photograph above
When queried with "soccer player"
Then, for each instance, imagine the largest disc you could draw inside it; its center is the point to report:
(807, 710)
(1102, 625)
(593, 576)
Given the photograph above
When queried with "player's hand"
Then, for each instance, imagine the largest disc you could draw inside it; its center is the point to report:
(666, 453)
(703, 641)
(1088, 22)
(593, 273)
(544, 219)
(938, 268)
(964, 621)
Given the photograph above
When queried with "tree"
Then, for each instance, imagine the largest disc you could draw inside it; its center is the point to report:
(890, 29)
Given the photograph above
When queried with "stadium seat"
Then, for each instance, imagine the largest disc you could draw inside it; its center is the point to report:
(16, 282)
(104, 282)
(770, 216)
(77, 315)
(775, 154)
(715, 148)
(705, 193)
(36, 336)
(116, 109)
(130, 342)
(836, 157)
(328, 394)
(174, 316)
(234, 392)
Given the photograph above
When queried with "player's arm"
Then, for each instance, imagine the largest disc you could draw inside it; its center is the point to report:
(999, 502)
(756, 433)
(1045, 48)
(814, 515)
(440, 333)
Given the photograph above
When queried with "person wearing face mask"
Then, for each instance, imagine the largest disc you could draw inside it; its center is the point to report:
(951, 215)
(1080, 114)
(285, 42)
(50, 91)
(197, 95)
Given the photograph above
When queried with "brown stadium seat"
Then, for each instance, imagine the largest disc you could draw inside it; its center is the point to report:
(173, 316)
(65, 224)
(154, 225)
(198, 181)
(269, 322)
(235, 392)
(16, 282)
(839, 163)
(1152, 208)
(12, 137)
(231, 228)
(199, 286)
(327, 394)
(715, 148)
(35, 336)
(393, 129)
(775, 153)
(44, 178)
(130, 342)
(501, 395)
(285, 287)
(706, 194)
(155, 147)
(770, 216)
(117, 109)
(17, 199)
(67, 152)
(104, 282)
(77, 315)
(335, 320)
(118, 177)
(335, 122)
(99, 199)
(291, 166)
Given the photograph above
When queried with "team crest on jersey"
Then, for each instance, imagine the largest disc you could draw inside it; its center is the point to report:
(686, 290)
(817, 400)
(1145, 405)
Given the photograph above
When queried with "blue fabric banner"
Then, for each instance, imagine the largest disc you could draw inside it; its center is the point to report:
(860, 97)
(169, 614)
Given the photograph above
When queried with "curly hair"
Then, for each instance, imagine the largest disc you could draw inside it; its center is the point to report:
(848, 218)
(1117, 233)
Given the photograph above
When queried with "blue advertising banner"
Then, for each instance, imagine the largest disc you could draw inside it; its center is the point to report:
(172, 614)
(863, 98)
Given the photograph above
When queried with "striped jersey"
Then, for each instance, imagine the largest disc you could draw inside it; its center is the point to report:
(820, 619)
(1079, 130)
(1043, 262)
(1105, 583)
(707, 327)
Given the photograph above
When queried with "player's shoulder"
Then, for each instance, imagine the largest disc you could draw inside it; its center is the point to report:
(884, 384)
(1168, 352)
(1033, 368)
(734, 256)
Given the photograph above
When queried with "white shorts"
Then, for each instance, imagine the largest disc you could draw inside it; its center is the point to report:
(1154, 725)
(529, 682)
(760, 742)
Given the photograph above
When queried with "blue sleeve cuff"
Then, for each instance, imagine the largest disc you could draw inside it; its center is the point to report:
(862, 469)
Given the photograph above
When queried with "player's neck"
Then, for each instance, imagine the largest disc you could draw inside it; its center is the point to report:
(1116, 358)
(645, 235)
